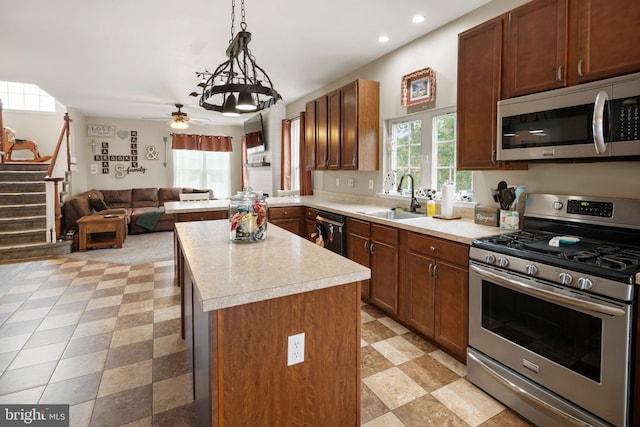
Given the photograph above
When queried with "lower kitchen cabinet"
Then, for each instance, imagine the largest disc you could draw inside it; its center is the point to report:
(201, 216)
(358, 233)
(291, 218)
(310, 215)
(437, 291)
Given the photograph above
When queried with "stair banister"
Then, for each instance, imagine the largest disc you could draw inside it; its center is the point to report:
(55, 175)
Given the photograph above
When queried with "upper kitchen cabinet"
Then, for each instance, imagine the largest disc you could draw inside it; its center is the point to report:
(536, 43)
(557, 43)
(606, 39)
(479, 89)
(344, 131)
(310, 135)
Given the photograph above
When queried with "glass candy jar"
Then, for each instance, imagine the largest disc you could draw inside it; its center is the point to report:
(248, 217)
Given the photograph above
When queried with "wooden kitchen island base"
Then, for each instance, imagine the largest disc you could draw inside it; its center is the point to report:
(241, 303)
(243, 379)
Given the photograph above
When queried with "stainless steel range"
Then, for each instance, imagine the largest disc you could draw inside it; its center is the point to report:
(551, 310)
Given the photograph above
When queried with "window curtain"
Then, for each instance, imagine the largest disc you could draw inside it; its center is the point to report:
(182, 141)
(285, 176)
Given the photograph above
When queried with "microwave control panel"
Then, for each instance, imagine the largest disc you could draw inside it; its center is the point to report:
(626, 116)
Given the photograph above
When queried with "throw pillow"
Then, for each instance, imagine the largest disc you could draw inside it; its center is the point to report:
(97, 204)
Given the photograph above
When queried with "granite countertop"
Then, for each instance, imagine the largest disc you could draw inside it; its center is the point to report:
(461, 230)
(227, 274)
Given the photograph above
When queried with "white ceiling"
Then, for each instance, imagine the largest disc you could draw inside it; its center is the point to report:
(136, 58)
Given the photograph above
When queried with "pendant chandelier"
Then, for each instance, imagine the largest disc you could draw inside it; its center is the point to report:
(238, 85)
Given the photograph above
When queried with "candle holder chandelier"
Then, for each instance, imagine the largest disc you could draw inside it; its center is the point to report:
(238, 75)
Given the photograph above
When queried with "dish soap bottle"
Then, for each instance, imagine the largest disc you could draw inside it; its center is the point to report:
(431, 204)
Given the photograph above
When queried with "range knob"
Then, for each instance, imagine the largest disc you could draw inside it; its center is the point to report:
(565, 278)
(585, 284)
(531, 269)
(490, 258)
(503, 262)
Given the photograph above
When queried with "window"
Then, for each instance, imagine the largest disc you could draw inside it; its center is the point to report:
(26, 97)
(295, 154)
(203, 170)
(424, 145)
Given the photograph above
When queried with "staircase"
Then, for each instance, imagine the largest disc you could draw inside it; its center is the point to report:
(23, 233)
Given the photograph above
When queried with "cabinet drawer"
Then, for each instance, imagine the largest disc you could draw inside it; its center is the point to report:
(201, 216)
(384, 234)
(356, 226)
(286, 212)
(438, 248)
(311, 213)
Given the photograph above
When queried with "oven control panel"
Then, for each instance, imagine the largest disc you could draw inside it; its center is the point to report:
(591, 208)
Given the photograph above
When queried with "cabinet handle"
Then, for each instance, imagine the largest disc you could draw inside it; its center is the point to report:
(286, 213)
(431, 270)
(433, 248)
(580, 74)
(435, 271)
(371, 251)
(559, 76)
(493, 156)
(366, 246)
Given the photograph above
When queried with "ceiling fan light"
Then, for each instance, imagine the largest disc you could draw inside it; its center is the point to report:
(246, 102)
(229, 107)
(179, 124)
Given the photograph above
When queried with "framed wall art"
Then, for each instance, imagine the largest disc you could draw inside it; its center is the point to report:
(418, 87)
(101, 130)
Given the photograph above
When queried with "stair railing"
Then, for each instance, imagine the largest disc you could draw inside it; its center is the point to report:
(55, 175)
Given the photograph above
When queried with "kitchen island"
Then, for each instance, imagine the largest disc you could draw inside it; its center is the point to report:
(242, 302)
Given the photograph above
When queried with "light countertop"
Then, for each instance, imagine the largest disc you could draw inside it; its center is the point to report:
(461, 230)
(227, 274)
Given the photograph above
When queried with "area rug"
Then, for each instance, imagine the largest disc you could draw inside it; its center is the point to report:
(137, 249)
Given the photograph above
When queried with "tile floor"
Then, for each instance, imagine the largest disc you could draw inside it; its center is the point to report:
(105, 339)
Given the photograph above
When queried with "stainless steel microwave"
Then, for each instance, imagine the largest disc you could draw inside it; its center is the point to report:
(591, 121)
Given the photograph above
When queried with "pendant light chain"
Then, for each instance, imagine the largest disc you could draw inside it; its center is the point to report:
(233, 18)
(243, 25)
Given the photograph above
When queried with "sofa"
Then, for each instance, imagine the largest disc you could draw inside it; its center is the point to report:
(143, 207)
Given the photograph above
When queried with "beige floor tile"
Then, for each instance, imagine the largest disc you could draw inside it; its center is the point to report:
(79, 365)
(449, 362)
(104, 302)
(58, 321)
(387, 420)
(22, 315)
(71, 297)
(10, 307)
(135, 307)
(80, 414)
(23, 289)
(13, 343)
(118, 269)
(94, 328)
(167, 345)
(85, 280)
(138, 287)
(62, 276)
(166, 292)
(468, 402)
(95, 266)
(145, 422)
(141, 272)
(167, 313)
(125, 378)
(31, 395)
(397, 350)
(165, 263)
(393, 325)
(163, 276)
(171, 393)
(46, 293)
(132, 335)
(365, 317)
(38, 355)
(39, 274)
(394, 387)
(108, 284)
(72, 264)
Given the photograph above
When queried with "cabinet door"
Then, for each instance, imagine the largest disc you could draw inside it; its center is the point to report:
(321, 132)
(452, 308)
(536, 47)
(420, 293)
(349, 146)
(310, 136)
(293, 225)
(358, 248)
(384, 268)
(310, 223)
(334, 130)
(479, 72)
(607, 38)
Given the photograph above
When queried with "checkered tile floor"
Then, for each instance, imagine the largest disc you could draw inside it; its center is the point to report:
(105, 339)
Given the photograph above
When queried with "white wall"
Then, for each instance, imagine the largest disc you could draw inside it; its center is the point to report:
(438, 50)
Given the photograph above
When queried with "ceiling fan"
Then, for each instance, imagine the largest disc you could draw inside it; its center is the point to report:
(180, 119)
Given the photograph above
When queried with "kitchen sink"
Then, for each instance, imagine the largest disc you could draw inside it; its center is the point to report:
(393, 214)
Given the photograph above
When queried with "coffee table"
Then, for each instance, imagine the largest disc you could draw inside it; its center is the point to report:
(96, 231)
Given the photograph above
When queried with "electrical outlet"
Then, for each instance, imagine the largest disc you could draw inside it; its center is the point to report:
(350, 182)
(370, 184)
(337, 182)
(295, 352)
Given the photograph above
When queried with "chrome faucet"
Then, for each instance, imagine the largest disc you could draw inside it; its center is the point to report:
(414, 202)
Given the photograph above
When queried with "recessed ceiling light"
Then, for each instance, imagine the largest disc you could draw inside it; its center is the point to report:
(418, 19)
(383, 38)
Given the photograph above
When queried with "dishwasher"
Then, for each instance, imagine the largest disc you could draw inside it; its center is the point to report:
(330, 232)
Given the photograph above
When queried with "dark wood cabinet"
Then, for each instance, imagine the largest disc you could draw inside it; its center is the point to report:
(479, 89)
(437, 291)
(290, 218)
(310, 136)
(344, 132)
(358, 234)
(201, 216)
(334, 129)
(537, 46)
(310, 223)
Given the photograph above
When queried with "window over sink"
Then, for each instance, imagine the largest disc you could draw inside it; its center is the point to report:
(424, 145)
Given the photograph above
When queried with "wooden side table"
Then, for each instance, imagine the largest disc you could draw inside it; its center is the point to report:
(100, 231)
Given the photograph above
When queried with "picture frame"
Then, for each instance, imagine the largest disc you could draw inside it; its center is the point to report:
(418, 87)
(101, 130)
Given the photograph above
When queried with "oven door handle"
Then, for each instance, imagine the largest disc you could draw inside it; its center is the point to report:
(574, 302)
(522, 392)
